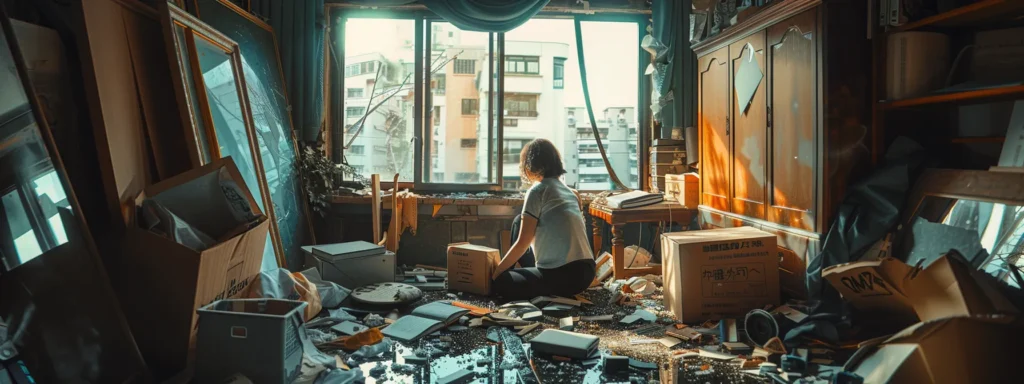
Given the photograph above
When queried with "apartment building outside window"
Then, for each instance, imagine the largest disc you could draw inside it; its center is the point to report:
(355, 111)
(355, 92)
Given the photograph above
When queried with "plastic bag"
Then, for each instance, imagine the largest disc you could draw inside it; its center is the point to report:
(282, 284)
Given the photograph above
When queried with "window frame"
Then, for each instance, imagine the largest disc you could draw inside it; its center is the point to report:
(423, 128)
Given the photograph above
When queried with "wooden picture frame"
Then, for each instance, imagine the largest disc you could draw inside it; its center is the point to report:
(267, 93)
(208, 134)
(59, 303)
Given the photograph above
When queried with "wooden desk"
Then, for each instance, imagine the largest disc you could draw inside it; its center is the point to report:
(663, 212)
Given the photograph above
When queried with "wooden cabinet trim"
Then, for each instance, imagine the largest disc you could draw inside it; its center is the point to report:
(774, 14)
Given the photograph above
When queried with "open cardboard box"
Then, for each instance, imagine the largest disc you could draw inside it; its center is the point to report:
(470, 267)
(163, 283)
(949, 286)
(958, 349)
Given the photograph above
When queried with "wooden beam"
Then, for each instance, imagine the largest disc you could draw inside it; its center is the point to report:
(375, 208)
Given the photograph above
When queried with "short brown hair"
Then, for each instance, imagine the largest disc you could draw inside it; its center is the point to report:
(540, 157)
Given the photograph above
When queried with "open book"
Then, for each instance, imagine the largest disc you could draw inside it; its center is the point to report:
(633, 199)
(424, 320)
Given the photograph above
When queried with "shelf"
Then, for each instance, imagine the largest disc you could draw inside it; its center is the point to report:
(965, 97)
(985, 12)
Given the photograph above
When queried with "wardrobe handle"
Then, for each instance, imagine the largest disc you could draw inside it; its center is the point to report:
(727, 125)
(769, 116)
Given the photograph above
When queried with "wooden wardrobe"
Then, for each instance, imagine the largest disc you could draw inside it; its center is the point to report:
(782, 161)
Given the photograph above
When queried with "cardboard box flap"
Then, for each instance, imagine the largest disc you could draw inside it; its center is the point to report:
(709, 235)
(472, 247)
(950, 287)
(205, 199)
(873, 286)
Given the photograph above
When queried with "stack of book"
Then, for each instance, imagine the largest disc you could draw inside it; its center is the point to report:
(633, 199)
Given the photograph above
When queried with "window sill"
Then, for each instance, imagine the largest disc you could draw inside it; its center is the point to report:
(511, 201)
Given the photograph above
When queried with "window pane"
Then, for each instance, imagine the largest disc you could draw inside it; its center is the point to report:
(458, 146)
(51, 196)
(25, 242)
(388, 124)
(554, 108)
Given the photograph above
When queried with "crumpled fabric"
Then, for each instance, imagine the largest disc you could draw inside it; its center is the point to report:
(341, 376)
(870, 209)
(283, 284)
(370, 351)
(331, 294)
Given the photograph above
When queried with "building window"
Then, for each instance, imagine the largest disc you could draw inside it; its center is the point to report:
(470, 106)
(437, 116)
(511, 122)
(511, 150)
(356, 149)
(465, 66)
(469, 143)
(467, 177)
(355, 92)
(522, 64)
(438, 83)
(354, 111)
(520, 105)
(558, 73)
(438, 177)
(380, 149)
(510, 183)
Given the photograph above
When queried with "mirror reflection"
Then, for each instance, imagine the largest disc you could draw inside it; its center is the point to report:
(995, 228)
(31, 194)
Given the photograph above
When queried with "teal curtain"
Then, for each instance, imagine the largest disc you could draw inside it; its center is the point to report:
(671, 19)
(474, 15)
(486, 15)
(299, 26)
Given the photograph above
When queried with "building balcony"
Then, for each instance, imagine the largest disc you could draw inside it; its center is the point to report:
(593, 170)
(520, 113)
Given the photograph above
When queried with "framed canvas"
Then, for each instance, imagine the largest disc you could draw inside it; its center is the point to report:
(57, 308)
(268, 99)
(212, 101)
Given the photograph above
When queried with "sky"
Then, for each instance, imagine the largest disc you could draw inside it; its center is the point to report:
(611, 50)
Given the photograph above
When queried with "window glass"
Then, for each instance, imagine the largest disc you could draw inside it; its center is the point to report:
(554, 108)
(382, 121)
(25, 241)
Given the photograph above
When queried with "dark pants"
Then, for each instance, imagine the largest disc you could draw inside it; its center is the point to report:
(529, 282)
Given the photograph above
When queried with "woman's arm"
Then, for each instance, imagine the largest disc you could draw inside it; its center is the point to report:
(527, 230)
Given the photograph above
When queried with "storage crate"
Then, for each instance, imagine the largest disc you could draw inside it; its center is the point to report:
(260, 338)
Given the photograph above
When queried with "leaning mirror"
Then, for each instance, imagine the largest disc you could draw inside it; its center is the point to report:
(212, 98)
(59, 319)
(978, 213)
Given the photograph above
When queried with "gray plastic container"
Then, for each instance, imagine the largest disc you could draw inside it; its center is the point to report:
(259, 338)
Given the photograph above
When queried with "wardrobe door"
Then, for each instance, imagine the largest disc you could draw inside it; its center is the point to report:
(749, 126)
(793, 121)
(713, 88)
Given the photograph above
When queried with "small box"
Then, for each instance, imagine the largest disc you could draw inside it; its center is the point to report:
(470, 267)
(719, 273)
(353, 272)
(262, 339)
(683, 188)
(161, 283)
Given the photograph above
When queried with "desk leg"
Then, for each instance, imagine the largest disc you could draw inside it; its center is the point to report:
(618, 252)
(598, 241)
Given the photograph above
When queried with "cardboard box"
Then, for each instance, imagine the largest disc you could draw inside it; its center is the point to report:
(684, 188)
(470, 267)
(948, 350)
(950, 286)
(947, 287)
(875, 286)
(161, 283)
(353, 272)
(719, 273)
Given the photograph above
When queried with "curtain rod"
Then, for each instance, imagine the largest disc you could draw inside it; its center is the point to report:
(547, 9)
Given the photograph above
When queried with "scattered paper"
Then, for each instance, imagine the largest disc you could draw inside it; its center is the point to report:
(669, 341)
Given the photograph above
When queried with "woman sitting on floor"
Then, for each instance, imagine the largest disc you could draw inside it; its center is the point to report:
(552, 223)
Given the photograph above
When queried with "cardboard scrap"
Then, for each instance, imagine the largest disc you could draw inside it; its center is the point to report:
(473, 309)
(775, 345)
(874, 286)
(669, 341)
(527, 329)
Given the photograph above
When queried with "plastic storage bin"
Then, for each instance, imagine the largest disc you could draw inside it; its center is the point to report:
(260, 338)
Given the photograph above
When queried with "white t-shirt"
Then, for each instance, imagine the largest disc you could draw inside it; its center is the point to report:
(561, 233)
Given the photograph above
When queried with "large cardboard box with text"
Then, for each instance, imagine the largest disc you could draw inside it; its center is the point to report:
(470, 267)
(719, 273)
(163, 283)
